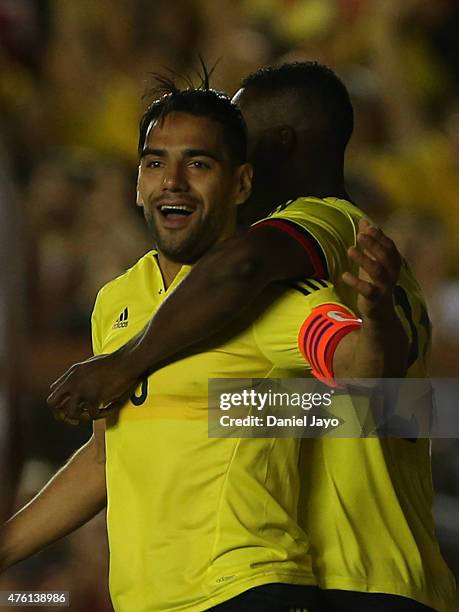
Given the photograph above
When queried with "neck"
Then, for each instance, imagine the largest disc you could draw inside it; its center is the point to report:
(324, 187)
(264, 201)
(169, 269)
(320, 180)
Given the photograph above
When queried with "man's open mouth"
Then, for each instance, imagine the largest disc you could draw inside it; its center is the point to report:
(176, 209)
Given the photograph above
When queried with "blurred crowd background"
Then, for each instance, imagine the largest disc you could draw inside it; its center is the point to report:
(72, 79)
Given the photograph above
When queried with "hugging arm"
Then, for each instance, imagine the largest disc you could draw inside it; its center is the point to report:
(220, 285)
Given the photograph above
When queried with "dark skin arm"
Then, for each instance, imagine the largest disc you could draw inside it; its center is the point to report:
(380, 348)
(230, 276)
(220, 285)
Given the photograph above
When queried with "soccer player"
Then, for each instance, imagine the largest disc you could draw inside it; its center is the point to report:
(193, 521)
(300, 119)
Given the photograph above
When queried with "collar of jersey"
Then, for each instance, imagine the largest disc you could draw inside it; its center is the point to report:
(180, 274)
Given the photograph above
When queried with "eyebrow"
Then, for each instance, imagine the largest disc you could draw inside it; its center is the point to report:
(187, 153)
(156, 152)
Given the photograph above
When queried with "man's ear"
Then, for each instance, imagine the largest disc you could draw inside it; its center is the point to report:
(244, 188)
(139, 200)
(278, 140)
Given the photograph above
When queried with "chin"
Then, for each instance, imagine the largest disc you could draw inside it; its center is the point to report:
(183, 258)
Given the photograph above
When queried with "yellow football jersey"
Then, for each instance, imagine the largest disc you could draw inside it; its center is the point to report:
(366, 504)
(193, 520)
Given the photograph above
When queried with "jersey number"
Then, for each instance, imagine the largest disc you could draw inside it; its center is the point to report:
(401, 299)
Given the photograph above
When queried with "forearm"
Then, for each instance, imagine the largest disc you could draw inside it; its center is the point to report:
(73, 496)
(224, 282)
(378, 349)
(213, 294)
(173, 329)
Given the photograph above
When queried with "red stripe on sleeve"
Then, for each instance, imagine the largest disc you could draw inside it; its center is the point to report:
(309, 247)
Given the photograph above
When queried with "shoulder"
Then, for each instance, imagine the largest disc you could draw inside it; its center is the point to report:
(330, 224)
(119, 299)
(311, 206)
(338, 216)
(122, 284)
(130, 287)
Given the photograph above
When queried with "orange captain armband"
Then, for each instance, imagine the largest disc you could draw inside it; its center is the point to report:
(321, 333)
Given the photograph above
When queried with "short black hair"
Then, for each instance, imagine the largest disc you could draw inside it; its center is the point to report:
(319, 89)
(200, 101)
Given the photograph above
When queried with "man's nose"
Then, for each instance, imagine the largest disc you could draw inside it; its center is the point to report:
(174, 178)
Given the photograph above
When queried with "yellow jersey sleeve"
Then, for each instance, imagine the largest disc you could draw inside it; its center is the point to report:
(96, 331)
(326, 228)
(280, 331)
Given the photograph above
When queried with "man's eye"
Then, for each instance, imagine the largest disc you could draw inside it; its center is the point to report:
(154, 163)
(196, 163)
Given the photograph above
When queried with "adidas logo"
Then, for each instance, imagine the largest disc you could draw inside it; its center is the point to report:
(122, 320)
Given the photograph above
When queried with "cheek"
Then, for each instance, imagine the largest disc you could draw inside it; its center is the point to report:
(149, 182)
(219, 200)
(141, 186)
(218, 192)
(210, 190)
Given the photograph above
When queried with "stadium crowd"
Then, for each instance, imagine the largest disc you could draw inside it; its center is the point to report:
(71, 84)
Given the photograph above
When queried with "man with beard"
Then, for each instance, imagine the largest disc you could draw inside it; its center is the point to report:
(300, 120)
